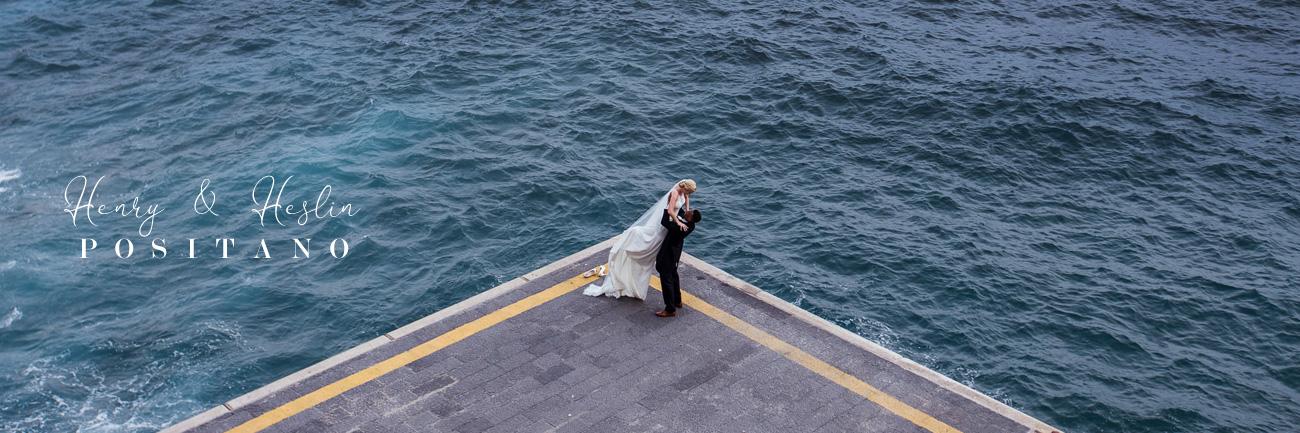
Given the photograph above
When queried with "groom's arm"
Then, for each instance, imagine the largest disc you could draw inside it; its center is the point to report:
(669, 223)
(677, 220)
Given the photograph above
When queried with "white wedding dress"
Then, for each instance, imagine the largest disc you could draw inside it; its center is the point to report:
(632, 257)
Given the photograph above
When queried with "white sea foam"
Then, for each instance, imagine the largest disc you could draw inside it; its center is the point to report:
(9, 264)
(82, 395)
(10, 318)
(8, 175)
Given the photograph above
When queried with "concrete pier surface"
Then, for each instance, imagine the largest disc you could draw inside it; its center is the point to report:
(535, 354)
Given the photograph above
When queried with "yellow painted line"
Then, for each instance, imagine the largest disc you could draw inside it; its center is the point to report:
(398, 361)
(840, 377)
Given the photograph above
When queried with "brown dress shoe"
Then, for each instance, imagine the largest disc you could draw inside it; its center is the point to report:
(665, 313)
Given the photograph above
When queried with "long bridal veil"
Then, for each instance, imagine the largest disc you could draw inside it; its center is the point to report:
(632, 257)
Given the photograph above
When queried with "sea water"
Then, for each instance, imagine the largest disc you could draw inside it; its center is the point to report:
(1087, 210)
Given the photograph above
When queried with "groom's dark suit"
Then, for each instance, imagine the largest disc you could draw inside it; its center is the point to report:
(670, 251)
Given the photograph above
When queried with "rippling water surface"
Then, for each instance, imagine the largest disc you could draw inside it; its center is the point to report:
(1088, 210)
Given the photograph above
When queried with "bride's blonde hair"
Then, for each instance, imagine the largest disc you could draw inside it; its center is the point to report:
(688, 185)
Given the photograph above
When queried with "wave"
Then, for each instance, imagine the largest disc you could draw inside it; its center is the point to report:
(147, 386)
(49, 27)
(102, 403)
(27, 66)
(8, 175)
(10, 318)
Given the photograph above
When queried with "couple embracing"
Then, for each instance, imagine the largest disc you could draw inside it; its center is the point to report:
(653, 241)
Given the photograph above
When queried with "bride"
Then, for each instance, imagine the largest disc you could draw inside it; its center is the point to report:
(633, 255)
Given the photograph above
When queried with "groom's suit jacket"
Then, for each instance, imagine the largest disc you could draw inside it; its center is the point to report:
(670, 251)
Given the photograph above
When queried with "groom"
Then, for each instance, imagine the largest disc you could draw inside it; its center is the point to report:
(670, 251)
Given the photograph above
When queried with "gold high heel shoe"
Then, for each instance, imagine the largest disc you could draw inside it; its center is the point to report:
(598, 271)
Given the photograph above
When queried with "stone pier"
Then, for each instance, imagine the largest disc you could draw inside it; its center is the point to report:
(535, 355)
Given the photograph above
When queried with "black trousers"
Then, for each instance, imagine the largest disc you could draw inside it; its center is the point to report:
(672, 286)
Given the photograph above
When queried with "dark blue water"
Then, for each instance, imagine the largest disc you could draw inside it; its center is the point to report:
(1088, 210)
